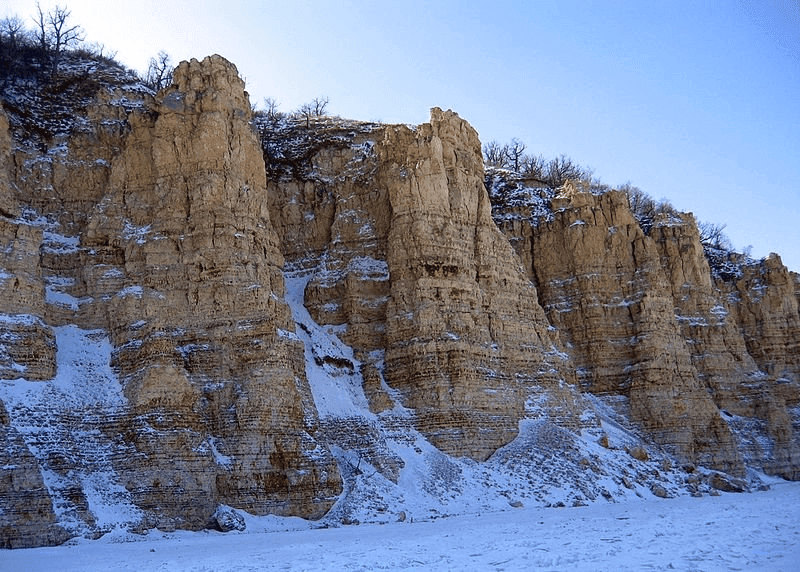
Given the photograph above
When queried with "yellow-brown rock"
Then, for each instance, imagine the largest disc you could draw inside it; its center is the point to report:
(764, 305)
(199, 323)
(154, 226)
(27, 345)
(466, 337)
(395, 225)
(154, 358)
(601, 281)
(27, 518)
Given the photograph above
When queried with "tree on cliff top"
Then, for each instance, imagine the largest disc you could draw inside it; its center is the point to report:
(315, 108)
(553, 173)
(159, 72)
(55, 35)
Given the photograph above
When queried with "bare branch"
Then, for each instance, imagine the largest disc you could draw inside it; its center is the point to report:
(495, 155)
(515, 153)
(316, 108)
(55, 35)
(159, 72)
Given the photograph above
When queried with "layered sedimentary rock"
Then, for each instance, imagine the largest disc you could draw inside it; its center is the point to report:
(152, 356)
(601, 281)
(200, 326)
(27, 518)
(466, 337)
(27, 345)
(396, 227)
(762, 303)
(176, 259)
(647, 318)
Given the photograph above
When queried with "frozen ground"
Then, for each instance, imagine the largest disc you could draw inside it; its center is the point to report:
(750, 531)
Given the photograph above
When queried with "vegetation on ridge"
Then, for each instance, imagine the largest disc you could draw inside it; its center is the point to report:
(510, 170)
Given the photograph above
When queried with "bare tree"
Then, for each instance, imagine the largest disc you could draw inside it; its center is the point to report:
(712, 235)
(271, 109)
(320, 106)
(55, 35)
(641, 204)
(159, 72)
(13, 37)
(563, 169)
(98, 50)
(316, 108)
(495, 155)
(534, 166)
(516, 152)
(12, 31)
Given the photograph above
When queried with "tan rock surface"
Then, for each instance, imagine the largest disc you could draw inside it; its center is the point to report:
(27, 345)
(153, 237)
(601, 283)
(395, 225)
(466, 339)
(199, 323)
(27, 518)
(738, 346)
(766, 309)
(176, 257)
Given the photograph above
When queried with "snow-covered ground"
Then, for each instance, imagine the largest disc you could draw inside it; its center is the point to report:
(750, 531)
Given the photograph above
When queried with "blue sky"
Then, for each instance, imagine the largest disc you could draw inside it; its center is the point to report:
(696, 102)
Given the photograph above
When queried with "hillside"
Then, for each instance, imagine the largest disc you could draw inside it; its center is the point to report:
(203, 312)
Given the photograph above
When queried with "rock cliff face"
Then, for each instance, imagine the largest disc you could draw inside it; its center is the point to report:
(200, 308)
(645, 318)
(176, 261)
(601, 279)
(414, 267)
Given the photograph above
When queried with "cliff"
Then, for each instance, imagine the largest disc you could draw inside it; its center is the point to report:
(205, 310)
(646, 318)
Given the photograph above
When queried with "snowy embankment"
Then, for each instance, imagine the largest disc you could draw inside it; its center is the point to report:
(757, 531)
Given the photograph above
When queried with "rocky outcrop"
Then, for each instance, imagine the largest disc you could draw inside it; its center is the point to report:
(200, 326)
(205, 312)
(395, 226)
(27, 345)
(27, 518)
(466, 338)
(601, 281)
(742, 336)
(647, 318)
(177, 260)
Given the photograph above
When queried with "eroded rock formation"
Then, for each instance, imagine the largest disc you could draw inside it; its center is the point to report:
(645, 318)
(152, 356)
(176, 259)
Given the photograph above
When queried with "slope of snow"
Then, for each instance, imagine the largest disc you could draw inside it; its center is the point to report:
(84, 377)
(335, 385)
(392, 475)
(85, 386)
(754, 532)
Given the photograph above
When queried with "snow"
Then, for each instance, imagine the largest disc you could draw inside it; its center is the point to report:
(59, 298)
(84, 385)
(758, 531)
(137, 233)
(21, 319)
(222, 460)
(130, 291)
(84, 377)
(456, 513)
(335, 385)
(59, 244)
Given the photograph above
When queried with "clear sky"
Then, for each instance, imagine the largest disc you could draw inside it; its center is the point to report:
(694, 101)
